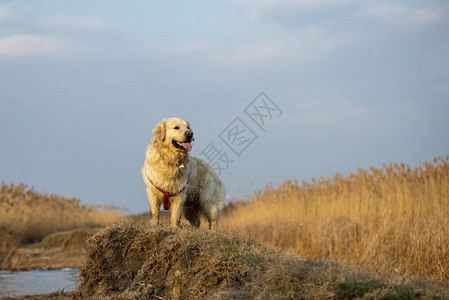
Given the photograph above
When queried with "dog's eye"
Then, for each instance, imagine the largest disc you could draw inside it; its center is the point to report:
(176, 127)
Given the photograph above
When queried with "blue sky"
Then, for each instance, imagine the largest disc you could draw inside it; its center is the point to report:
(83, 83)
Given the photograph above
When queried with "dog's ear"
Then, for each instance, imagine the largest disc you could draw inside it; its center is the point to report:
(159, 131)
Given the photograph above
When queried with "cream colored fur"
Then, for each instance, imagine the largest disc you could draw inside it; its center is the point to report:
(171, 169)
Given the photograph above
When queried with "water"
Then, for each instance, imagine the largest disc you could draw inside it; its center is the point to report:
(36, 282)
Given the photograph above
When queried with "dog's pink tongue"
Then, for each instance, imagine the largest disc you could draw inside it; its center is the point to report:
(187, 146)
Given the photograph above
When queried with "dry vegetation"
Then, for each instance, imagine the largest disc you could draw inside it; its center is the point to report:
(128, 261)
(27, 216)
(393, 220)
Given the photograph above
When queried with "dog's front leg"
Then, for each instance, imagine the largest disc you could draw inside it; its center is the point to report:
(176, 209)
(154, 207)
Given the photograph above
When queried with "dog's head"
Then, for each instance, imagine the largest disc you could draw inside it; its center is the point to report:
(176, 133)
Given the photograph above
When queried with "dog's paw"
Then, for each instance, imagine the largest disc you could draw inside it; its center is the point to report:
(154, 223)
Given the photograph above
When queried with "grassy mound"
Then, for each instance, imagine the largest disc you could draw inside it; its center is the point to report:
(58, 250)
(128, 261)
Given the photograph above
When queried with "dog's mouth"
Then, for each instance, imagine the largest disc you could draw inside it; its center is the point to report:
(182, 145)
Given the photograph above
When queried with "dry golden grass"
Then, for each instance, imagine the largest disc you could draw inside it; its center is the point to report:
(29, 216)
(392, 220)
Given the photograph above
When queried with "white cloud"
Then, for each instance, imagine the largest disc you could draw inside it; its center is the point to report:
(183, 48)
(33, 45)
(5, 11)
(300, 45)
(323, 112)
(288, 46)
(281, 11)
(295, 46)
(250, 54)
(262, 4)
(73, 23)
(407, 17)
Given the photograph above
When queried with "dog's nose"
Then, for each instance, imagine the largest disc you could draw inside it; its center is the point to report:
(189, 133)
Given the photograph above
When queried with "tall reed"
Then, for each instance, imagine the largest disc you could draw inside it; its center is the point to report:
(392, 220)
(30, 216)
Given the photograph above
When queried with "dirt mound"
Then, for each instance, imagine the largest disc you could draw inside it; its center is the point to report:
(58, 250)
(134, 262)
(164, 262)
(77, 238)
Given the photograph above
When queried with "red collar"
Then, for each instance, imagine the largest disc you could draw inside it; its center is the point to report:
(166, 194)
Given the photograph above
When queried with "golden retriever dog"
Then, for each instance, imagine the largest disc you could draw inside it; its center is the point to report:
(184, 184)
